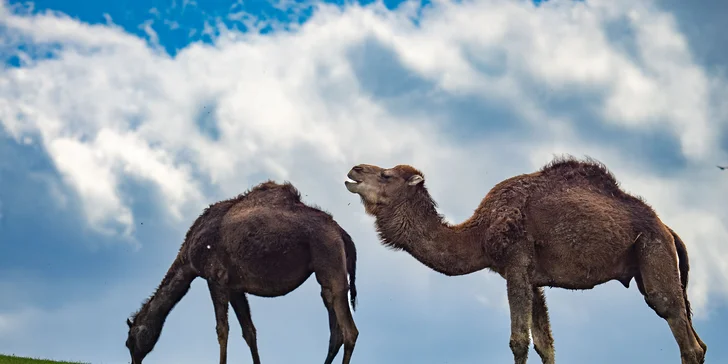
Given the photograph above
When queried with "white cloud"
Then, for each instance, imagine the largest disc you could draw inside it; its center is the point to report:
(292, 106)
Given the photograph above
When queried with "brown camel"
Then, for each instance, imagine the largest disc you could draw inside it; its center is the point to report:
(568, 225)
(265, 242)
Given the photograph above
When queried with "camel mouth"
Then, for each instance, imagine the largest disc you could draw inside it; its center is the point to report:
(352, 182)
(352, 178)
(351, 185)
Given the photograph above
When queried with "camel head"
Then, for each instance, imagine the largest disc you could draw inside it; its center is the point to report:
(379, 187)
(141, 339)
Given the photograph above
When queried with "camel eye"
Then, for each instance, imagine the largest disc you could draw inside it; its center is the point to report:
(385, 177)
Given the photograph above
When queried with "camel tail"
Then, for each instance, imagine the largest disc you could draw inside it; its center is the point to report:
(350, 250)
(684, 265)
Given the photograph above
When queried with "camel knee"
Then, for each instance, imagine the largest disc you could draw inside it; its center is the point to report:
(664, 305)
(700, 342)
(519, 345)
(543, 342)
(222, 331)
(250, 334)
(351, 334)
(702, 345)
(545, 351)
(327, 294)
(693, 357)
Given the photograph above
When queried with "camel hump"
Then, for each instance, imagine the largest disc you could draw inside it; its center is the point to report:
(269, 193)
(589, 170)
(273, 191)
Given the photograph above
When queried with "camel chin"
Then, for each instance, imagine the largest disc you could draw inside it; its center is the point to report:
(351, 186)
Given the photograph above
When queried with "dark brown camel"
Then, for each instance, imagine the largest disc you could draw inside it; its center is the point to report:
(265, 242)
(568, 225)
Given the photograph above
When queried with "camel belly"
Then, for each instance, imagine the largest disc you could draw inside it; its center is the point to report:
(271, 273)
(573, 270)
(581, 242)
(268, 256)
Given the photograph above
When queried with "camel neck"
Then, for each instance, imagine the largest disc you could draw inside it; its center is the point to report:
(173, 287)
(415, 227)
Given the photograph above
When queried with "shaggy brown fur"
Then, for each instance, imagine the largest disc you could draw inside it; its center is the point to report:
(568, 225)
(265, 242)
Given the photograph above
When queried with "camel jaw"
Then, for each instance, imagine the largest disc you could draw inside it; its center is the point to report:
(351, 186)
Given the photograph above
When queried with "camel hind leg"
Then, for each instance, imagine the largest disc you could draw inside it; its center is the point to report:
(242, 310)
(641, 288)
(700, 342)
(331, 274)
(337, 300)
(336, 338)
(659, 282)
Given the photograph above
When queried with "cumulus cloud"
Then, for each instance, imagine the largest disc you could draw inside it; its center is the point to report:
(300, 105)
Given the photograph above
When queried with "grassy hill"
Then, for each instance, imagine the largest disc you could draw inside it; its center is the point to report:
(11, 359)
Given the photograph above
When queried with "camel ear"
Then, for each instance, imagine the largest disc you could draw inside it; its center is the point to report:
(414, 180)
(128, 323)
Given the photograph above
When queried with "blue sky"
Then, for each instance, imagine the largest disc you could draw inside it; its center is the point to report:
(114, 137)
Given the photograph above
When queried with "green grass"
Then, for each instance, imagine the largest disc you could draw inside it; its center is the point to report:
(12, 359)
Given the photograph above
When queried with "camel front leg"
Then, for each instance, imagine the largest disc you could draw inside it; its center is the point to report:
(543, 342)
(220, 300)
(520, 300)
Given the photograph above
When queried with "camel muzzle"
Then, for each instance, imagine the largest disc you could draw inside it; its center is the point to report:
(354, 180)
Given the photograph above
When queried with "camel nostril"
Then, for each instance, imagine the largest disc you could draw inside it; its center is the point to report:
(358, 169)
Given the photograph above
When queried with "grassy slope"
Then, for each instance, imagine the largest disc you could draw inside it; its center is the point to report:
(5, 359)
